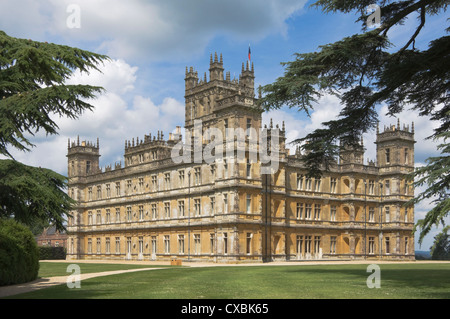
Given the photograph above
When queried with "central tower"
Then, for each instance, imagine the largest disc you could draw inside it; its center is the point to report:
(221, 102)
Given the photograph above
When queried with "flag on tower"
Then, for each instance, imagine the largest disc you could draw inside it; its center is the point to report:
(249, 52)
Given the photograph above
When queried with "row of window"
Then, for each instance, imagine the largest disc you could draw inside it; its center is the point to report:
(305, 244)
(309, 211)
(303, 211)
(154, 212)
(181, 245)
(155, 184)
(307, 184)
(311, 245)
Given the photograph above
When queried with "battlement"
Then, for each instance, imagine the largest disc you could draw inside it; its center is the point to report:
(395, 131)
(82, 147)
(149, 141)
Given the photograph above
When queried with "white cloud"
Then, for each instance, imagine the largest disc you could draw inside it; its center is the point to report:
(149, 29)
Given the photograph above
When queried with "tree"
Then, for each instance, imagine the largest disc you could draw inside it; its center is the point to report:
(366, 71)
(441, 246)
(32, 87)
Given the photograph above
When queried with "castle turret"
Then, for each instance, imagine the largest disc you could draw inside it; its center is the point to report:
(395, 146)
(83, 158)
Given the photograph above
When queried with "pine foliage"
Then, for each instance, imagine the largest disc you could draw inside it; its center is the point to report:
(33, 87)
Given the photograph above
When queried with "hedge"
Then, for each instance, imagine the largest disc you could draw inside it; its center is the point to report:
(47, 252)
(19, 254)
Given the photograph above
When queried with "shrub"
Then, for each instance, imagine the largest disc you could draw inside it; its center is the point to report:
(47, 252)
(19, 254)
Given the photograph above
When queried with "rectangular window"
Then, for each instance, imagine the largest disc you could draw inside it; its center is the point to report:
(98, 217)
(181, 177)
(141, 184)
(333, 183)
(197, 176)
(99, 192)
(299, 212)
(141, 247)
(167, 181)
(153, 246)
(181, 208)
(90, 193)
(107, 245)
(197, 246)
(108, 191)
(129, 186)
(249, 243)
(154, 183)
(197, 207)
(141, 212)
(249, 204)
(333, 245)
(211, 243)
(308, 210)
(213, 204)
(371, 188)
(99, 246)
(308, 240)
(89, 245)
(181, 244)
(308, 183)
(317, 209)
(117, 215)
(117, 245)
(388, 155)
(154, 211)
(387, 214)
(117, 188)
(387, 188)
(317, 182)
(371, 245)
(89, 218)
(316, 244)
(129, 214)
(108, 216)
(225, 243)
(166, 244)
(167, 210)
(225, 203)
(333, 213)
(299, 246)
(388, 248)
(371, 214)
(299, 181)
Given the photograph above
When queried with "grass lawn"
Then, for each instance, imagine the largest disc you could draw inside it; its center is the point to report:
(404, 281)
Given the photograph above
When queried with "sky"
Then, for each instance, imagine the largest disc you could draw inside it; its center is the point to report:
(150, 43)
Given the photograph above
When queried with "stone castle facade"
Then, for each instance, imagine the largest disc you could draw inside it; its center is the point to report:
(155, 208)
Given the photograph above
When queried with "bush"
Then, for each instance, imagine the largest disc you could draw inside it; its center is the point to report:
(19, 254)
(47, 253)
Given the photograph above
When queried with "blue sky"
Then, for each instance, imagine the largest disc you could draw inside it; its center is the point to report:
(150, 43)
